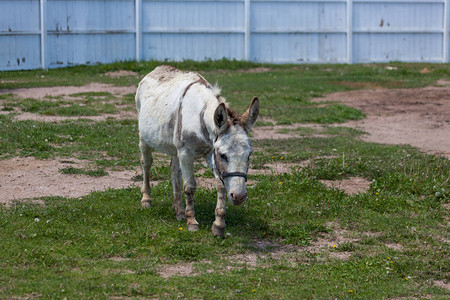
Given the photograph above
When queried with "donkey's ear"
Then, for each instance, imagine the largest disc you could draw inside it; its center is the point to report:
(250, 116)
(221, 118)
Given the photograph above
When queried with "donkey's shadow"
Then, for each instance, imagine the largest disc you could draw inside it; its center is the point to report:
(239, 219)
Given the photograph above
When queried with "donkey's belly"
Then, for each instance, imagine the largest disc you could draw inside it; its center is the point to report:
(157, 130)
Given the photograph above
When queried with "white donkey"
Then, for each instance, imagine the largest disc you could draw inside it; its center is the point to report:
(182, 115)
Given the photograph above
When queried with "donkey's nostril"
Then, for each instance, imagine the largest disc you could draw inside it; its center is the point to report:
(238, 198)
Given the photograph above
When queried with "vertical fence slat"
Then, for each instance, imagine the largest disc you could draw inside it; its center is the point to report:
(138, 19)
(43, 29)
(445, 33)
(247, 24)
(349, 31)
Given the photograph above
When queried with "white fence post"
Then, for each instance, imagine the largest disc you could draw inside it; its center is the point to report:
(138, 19)
(445, 33)
(138, 14)
(350, 31)
(43, 29)
(247, 24)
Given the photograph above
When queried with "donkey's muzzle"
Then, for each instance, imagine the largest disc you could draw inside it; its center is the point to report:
(237, 198)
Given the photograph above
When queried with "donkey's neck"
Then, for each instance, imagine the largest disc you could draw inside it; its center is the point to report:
(209, 127)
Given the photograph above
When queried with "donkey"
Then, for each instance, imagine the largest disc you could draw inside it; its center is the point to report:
(184, 116)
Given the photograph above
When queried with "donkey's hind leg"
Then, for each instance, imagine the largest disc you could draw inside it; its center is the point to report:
(187, 171)
(175, 172)
(146, 161)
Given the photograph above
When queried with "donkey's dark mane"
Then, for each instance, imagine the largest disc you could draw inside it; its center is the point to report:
(235, 117)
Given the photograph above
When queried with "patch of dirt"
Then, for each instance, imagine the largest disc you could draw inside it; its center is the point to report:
(121, 73)
(22, 178)
(359, 84)
(65, 91)
(277, 168)
(394, 246)
(351, 186)
(419, 117)
(122, 115)
(256, 70)
(119, 258)
(442, 284)
(331, 240)
(341, 255)
(443, 82)
(267, 249)
(27, 178)
(208, 183)
(248, 259)
(180, 269)
(250, 70)
(273, 132)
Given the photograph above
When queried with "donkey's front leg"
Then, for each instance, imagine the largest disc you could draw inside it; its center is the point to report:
(187, 170)
(175, 172)
(218, 227)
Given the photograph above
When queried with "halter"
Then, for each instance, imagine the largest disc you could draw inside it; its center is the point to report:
(225, 175)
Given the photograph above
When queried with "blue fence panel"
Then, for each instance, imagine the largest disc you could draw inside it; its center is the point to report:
(398, 31)
(90, 31)
(277, 31)
(298, 31)
(198, 30)
(19, 35)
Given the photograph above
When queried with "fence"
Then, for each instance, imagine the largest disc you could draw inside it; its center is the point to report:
(56, 33)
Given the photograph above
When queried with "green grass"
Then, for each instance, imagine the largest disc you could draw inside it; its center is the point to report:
(284, 90)
(75, 171)
(89, 106)
(104, 245)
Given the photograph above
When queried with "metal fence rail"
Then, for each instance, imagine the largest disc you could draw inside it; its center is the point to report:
(56, 33)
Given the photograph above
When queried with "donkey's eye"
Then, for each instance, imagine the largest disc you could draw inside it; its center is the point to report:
(224, 157)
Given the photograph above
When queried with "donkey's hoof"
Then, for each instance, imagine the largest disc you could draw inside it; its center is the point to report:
(181, 216)
(217, 231)
(145, 204)
(193, 227)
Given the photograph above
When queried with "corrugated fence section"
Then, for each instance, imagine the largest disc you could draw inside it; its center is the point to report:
(54, 33)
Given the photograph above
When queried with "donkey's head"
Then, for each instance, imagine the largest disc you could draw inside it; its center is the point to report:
(232, 148)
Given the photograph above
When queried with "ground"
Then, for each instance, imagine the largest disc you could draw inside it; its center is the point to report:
(419, 117)
(348, 187)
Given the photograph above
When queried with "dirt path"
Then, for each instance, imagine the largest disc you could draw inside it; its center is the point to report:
(419, 117)
(66, 91)
(27, 177)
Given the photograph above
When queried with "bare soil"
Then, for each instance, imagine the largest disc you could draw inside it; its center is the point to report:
(22, 178)
(123, 114)
(273, 250)
(418, 117)
(121, 73)
(351, 186)
(273, 132)
(442, 284)
(65, 91)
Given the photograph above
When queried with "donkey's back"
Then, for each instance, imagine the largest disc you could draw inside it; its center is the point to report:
(161, 102)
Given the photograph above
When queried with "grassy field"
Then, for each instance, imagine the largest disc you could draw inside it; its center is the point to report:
(391, 241)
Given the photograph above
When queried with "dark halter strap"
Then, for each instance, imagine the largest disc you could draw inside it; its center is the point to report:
(235, 174)
(225, 175)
